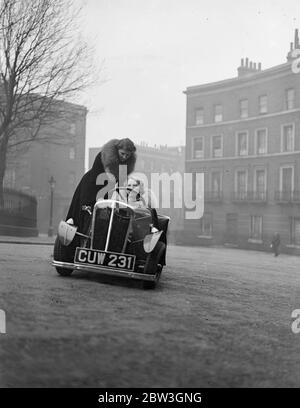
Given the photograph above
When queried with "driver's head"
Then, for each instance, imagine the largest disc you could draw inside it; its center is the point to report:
(135, 184)
(126, 149)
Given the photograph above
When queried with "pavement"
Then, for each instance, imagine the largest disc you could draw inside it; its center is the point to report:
(41, 239)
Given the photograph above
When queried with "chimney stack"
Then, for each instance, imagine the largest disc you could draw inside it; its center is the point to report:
(296, 39)
(248, 67)
(293, 46)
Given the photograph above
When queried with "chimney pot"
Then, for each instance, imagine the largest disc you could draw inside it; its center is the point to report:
(296, 38)
(242, 62)
(247, 62)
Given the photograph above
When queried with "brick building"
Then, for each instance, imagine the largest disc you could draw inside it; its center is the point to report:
(30, 171)
(244, 134)
(158, 159)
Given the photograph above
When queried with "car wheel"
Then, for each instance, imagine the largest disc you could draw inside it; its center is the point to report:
(149, 285)
(153, 260)
(63, 254)
(153, 264)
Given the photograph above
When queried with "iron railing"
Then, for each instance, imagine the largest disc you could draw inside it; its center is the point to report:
(19, 209)
(287, 196)
(215, 196)
(250, 196)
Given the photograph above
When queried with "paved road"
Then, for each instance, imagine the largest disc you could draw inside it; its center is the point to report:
(219, 317)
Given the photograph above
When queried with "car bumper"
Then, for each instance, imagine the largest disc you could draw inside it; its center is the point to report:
(106, 271)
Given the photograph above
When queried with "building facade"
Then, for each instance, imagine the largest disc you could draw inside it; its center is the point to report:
(32, 170)
(244, 134)
(159, 159)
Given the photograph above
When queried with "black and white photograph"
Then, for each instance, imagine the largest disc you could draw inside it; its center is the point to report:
(149, 197)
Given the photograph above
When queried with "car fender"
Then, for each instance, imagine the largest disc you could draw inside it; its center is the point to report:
(150, 241)
(66, 233)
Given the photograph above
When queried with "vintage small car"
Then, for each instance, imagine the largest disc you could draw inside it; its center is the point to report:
(119, 240)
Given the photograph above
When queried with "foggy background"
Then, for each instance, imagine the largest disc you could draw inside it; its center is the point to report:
(152, 50)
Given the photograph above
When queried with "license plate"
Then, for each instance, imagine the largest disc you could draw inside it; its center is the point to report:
(102, 258)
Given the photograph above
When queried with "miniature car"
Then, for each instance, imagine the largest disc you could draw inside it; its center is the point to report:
(120, 240)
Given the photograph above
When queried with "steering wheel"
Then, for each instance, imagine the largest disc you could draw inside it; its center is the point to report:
(124, 193)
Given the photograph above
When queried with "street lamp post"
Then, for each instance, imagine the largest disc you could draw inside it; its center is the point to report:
(52, 186)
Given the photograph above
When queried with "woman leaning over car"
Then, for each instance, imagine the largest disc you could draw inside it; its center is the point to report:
(113, 154)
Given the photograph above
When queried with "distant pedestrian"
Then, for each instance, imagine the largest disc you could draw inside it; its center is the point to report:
(275, 243)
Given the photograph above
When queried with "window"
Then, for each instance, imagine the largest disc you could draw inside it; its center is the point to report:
(206, 225)
(9, 178)
(218, 116)
(72, 153)
(242, 143)
(147, 165)
(73, 128)
(295, 231)
(141, 165)
(72, 177)
(13, 143)
(260, 184)
(199, 116)
(198, 147)
(287, 138)
(290, 99)
(216, 181)
(217, 146)
(286, 181)
(261, 141)
(216, 184)
(244, 108)
(256, 227)
(241, 184)
(263, 104)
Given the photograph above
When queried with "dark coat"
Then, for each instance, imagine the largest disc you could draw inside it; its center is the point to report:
(86, 193)
(276, 241)
(87, 189)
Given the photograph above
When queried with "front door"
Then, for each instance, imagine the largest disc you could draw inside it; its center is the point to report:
(231, 228)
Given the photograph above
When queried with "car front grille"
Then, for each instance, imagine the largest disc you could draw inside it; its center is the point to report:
(119, 230)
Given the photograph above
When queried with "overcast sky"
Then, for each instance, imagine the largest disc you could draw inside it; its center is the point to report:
(154, 49)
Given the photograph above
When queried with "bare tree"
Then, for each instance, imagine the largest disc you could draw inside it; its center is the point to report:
(43, 61)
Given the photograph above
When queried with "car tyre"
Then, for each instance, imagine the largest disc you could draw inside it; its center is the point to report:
(154, 265)
(149, 285)
(63, 254)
